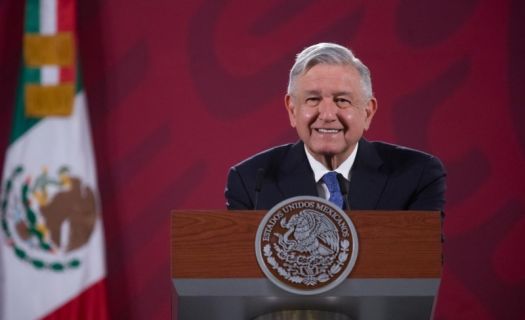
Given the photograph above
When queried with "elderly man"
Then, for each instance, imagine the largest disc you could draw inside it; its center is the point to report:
(330, 103)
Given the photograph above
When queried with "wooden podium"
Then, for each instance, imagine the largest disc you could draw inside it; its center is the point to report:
(215, 274)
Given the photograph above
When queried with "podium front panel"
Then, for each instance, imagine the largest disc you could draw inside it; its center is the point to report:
(216, 276)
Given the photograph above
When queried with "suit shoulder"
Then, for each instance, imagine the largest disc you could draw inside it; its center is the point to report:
(393, 153)
(265, 158)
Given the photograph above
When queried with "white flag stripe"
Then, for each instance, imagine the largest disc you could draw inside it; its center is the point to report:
(48, 17)
(49, 75)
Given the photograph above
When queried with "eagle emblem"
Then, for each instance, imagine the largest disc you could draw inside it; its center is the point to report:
(306, 245)
(312, 232)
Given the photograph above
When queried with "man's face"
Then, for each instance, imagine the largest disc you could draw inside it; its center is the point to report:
(330, 111)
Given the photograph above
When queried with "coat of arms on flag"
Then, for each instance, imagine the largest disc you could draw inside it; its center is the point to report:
(45, 216)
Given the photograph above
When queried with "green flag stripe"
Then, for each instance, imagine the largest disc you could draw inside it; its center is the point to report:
(32, 18)
(21, 123)
(79, 85)
(31, 75)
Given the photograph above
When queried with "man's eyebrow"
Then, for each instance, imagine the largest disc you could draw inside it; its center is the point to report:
(342, 93)
(314, 92)
(335, 94)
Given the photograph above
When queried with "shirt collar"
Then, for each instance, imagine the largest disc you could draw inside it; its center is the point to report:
(320, 170)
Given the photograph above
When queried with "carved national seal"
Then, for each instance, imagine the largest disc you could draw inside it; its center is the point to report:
(306, 245)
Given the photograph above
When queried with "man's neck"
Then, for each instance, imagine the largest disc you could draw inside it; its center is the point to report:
(321, 167)
(331, 162)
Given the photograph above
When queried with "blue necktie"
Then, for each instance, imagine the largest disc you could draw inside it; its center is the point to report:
(330, 179)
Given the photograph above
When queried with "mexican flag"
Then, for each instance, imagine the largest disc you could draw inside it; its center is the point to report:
(52, 263)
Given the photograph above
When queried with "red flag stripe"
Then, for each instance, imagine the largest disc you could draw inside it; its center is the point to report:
(65, 15)
(89, 305)
(67, 74)
(66, 23)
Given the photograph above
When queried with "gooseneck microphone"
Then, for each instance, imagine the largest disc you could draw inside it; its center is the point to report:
(258, 186)
(343, 185)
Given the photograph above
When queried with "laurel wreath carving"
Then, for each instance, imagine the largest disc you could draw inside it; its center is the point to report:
(306, 270)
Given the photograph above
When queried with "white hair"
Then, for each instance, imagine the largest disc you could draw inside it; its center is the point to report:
(329, 53)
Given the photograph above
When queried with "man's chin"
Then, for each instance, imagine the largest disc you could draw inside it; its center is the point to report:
(327, 152)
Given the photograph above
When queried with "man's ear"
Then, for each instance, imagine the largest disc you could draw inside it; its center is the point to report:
(370, 110)
(290, 107)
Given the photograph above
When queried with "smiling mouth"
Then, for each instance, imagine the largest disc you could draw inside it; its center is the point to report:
(328, 131)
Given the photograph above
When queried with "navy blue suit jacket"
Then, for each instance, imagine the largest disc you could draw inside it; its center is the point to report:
(383, 177)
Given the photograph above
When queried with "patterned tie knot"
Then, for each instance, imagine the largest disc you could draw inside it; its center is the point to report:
(330, 179)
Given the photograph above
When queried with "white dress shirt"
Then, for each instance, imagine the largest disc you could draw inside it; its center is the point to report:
(320, 170)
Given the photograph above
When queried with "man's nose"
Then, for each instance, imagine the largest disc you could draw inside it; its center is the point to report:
(328, 110)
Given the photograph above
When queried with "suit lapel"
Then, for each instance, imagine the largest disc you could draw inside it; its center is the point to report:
(296, 177)
(368, 178)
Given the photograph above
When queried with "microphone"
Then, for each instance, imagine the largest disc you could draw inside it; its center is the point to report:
(343, 185)
(258, 185)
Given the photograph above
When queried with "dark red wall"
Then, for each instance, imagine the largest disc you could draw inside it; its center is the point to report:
(181, 90)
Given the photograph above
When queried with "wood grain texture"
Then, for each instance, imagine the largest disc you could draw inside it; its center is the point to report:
(221, 244)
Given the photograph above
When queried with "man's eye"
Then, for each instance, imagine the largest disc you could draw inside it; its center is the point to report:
(312, 101)
(342, 103)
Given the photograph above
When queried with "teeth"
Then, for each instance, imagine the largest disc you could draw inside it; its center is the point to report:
(328, 130)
